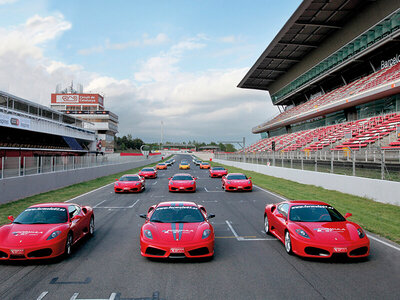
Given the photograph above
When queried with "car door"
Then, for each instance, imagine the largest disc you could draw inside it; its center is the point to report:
(77, 221)
(280, 215)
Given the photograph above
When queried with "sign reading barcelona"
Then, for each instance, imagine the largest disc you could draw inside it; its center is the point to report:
(77, 99)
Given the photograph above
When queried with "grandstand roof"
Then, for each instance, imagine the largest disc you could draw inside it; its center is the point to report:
(307, 28)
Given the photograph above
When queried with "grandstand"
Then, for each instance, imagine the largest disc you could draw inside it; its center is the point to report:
(333, 71)
(29, 129)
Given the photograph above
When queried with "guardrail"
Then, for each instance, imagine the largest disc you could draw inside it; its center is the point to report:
(371, 163)
(23, 166)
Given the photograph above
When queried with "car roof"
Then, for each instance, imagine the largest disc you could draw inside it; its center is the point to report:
(178, 203)
(305, 202)
(53, 204)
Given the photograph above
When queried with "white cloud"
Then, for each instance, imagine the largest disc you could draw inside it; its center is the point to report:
(204, 106)
(159, 39)
(7, 1)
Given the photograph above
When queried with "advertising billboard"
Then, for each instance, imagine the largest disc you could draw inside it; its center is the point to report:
(77, 99)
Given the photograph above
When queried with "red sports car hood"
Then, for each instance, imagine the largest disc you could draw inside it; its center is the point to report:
(182, 182)
(172, 232)
(330, 231)
(239, 181)
(24, 235)
(127, 183)
(218, 171)
(147, 173)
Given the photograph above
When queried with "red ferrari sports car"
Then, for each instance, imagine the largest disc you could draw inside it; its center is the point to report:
(218, 171)
(182, 182)
(148, 173)
(315, 229)
(129, 183)
(45, 231)
(177, 229)
(237, 182)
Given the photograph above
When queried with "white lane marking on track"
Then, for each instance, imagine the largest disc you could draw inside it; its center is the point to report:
(90, 192)
(276, 195)
(154, 183)
(383, 242)
(212, 191)
(42, 295)
(74, 296)
(112, 297)
(118, 207)
(240, 238)
(100, 203)
(372, 237)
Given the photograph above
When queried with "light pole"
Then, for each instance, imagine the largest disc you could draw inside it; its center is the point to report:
(162, 134)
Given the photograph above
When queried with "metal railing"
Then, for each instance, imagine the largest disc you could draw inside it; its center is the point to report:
(23, 166)
(370, 163)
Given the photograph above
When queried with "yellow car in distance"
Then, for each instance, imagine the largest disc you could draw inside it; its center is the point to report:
(184, 165)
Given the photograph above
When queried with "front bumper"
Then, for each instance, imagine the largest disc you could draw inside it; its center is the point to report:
(302, 247)
(135, 189)
(179, 250)
(191, 188)
(48, 249)
(244, 187)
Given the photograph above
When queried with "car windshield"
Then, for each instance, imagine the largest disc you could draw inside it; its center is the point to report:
(218, 168)
(177, 214)
(314, 213)
(161, 164)
(182, 177)
(204, 163)
(42, 215)
(148, 170)
(237, 177)
(129, 178)
(184, 163)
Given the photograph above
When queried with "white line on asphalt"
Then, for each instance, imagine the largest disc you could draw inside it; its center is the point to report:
(118, 207)
(90, 192)
(74, 296)
(276, 195)
(154, 183)
(383, 242)
(42, 295)
(100, 203)
(212, 191)
(241, 239)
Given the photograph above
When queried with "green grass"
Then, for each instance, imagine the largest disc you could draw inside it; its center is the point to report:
(60, 195)
(379, 218)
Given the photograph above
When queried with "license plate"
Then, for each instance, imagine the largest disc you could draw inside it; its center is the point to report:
(340, 250)
(17, 252)
(181, 188)
(177, 250)
(240, 187)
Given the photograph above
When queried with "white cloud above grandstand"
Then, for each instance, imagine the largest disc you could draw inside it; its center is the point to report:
(201, 102)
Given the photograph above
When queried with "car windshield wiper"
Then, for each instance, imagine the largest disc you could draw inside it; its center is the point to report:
(157, 221)
(16, 222)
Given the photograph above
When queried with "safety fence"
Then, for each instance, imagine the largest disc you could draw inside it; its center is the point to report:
(370, 163)
(22, 166)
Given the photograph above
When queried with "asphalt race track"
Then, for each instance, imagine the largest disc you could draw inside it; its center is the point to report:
(247, 263)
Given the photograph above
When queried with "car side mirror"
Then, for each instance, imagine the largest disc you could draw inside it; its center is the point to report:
(249, 178)
(210, 216)
(195, 178)
(144, 216)
(348, 215)
(169, 178)
(11, 218)
(116, 179)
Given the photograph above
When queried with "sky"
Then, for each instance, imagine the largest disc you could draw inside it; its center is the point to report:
(173, 61)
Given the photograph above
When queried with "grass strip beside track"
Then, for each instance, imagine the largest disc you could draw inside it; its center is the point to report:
(62, 194)
(379, 218)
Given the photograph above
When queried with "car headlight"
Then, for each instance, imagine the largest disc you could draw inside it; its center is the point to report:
(116, 184)
(138, 183)
(192, 183)
(249, 182)
(361, 233)
(171, 183)
(206, 233)
(54, 235)
(147, 233)
(302, 233)
(228, 182)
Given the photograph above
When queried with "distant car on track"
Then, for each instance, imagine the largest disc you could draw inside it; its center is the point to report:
(176, 230)
(218, 171)
(129, 183)
(182, 182)
(315, 229)
(204, 165)
(45, 230)
(237, 182)
(169, 162)
(184, 165)
(148, 173)
(197, 162)
(161, 166)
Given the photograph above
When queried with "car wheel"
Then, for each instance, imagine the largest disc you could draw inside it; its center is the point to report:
(91, 226)
(68, 245)
(288, 243)
(266, 225)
